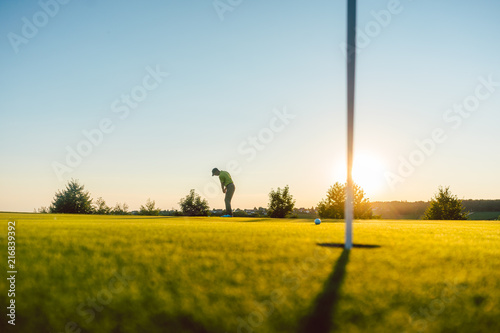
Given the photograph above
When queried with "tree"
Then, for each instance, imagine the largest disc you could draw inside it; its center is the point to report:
(362, 207)
(149, 209)
(281, 203)
(445, 206)
(333, 205)
(120, 209)
(193, 205)
(42, 210)
(240, 213)
(72, 200)
(100, 207)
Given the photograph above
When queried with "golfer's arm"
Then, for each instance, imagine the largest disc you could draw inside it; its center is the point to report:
(222, 185)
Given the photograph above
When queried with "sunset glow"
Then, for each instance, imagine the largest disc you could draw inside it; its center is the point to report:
(368, 172)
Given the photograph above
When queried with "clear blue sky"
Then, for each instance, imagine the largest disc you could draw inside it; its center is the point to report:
(229, 74)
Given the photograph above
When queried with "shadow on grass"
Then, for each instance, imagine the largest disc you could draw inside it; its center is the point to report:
(319, 320)
(179, 323)
(243, 219)
(142, 217)
(341, 245)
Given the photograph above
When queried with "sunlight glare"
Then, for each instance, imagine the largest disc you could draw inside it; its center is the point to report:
(367, 172)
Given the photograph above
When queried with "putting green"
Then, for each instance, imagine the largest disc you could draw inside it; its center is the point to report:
(166, 274)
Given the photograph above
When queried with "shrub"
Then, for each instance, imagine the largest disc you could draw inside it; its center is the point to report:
(193, 205)
(445, 206)
(43, 210)
(333, 205)
(100, 207)
(72, 200)
(149, 209)
(120, 209)
(281, 203)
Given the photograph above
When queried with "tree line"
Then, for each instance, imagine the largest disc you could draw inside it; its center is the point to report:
(417, 209)
(74, 199)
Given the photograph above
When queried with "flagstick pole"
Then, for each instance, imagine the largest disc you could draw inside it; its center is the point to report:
(351, 66)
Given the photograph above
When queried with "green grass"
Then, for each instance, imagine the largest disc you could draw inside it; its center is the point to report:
(244, 275)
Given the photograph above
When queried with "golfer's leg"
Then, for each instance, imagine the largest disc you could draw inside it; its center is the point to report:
(229, 195)
(228, 206)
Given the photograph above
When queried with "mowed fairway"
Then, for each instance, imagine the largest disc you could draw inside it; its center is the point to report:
(162, 274)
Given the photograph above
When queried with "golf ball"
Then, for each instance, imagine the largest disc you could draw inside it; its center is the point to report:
(317, 221)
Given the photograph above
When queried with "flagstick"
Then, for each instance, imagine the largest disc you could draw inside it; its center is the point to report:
(351, 66)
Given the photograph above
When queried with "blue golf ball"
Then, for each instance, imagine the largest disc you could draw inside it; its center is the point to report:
(317, 221)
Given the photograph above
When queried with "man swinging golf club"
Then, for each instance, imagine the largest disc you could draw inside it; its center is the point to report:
(227, 187)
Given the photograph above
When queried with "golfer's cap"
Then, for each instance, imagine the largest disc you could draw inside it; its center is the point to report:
(214, 170)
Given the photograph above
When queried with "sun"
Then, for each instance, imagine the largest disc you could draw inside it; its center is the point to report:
(367, 172)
